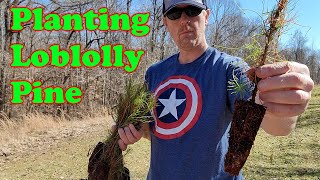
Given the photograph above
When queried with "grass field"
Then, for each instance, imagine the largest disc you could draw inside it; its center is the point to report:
(296, 156)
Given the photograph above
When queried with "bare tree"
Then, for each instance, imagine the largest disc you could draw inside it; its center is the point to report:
(228, 29)
(313, 62)
(298, 45)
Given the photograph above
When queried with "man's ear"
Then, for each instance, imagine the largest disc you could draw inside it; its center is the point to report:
(164, 19)
(207, 16)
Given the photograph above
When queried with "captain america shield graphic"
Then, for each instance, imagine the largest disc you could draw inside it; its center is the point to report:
(179, 105)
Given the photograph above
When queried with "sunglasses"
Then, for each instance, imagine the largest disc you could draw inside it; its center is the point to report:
(191, 11)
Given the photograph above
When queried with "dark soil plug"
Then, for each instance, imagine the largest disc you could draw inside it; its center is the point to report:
(106, 168)
(244, 127)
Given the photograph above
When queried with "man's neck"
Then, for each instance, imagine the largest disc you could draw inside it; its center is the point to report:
(190, 55)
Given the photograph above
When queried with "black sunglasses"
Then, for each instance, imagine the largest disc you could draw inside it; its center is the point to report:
(191, 11)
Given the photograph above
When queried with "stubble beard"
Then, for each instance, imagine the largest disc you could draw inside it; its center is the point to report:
(187, 42)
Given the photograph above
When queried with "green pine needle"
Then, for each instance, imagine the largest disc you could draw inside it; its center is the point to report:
(134, 105)
(237, 87)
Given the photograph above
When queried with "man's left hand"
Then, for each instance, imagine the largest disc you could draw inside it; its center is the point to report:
(285, 88)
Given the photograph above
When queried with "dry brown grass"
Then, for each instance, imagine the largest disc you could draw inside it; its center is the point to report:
(16, 131)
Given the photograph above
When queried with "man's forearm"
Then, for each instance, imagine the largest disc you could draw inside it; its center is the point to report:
(275, 125)
(278, 126)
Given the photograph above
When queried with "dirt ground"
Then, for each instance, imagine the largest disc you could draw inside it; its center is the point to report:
(22, 158)
(62, 152)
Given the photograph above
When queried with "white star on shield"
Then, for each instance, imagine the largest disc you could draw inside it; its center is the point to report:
(171, 104)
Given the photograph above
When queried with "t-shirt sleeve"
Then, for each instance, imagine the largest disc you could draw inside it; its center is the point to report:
(147, 79)
(238, 84)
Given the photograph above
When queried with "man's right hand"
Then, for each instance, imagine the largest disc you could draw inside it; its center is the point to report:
(128, 135)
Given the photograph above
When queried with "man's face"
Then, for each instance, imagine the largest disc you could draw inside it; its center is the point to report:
(187, 31)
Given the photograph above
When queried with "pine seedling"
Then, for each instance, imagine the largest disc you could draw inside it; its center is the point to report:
(248, 115)
(133, 107)
(276, 22)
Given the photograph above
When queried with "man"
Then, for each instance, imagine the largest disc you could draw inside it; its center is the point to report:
(189, 137)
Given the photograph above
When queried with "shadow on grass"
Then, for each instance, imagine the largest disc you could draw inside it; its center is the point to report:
(281, 172)
(309, 118)
(316, 151)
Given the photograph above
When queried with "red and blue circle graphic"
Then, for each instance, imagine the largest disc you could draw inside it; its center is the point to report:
(179, 107)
